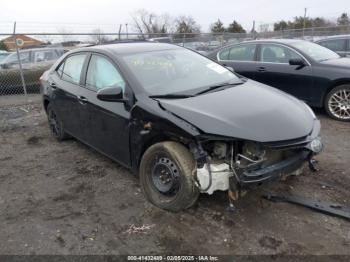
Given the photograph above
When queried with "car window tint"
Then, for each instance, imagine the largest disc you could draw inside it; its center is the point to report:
(223, 55)
(277, 54)
(13, 58)
(242, 52)
(335, 45)
(102, 73)
(72, 68)
(41, 56)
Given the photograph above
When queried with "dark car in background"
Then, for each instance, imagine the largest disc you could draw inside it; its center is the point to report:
(338, 44)
(306, 70)
(34, 62)
(184, 123)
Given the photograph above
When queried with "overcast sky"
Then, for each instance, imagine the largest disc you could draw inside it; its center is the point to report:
(114, 12)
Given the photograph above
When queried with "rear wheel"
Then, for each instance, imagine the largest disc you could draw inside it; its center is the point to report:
(166, 176)
(56, 125)
(337, 103)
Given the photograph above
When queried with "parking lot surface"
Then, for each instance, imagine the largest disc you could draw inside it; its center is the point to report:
(65, 198)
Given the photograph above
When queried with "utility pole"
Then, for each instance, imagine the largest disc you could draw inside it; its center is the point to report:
(120, 29)
(20, 63)
(305, 10)
(126, 27)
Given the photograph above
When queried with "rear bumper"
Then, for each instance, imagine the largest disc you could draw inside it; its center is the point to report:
(275, 171)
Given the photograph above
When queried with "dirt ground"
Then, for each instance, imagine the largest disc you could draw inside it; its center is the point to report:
(64, 198)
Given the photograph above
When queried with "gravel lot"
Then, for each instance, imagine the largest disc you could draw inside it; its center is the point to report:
(64, 198)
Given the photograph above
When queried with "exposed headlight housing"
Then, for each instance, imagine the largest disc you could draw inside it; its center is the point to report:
(316, 145)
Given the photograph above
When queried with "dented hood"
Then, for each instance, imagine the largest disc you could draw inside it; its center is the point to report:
(250, 111)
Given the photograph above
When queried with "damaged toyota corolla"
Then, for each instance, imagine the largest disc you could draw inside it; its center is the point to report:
(184, 123)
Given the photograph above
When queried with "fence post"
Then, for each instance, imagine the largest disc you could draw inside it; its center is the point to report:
(20, 62)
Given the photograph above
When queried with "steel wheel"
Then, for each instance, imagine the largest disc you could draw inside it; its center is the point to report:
(165, 176)
(339, 104)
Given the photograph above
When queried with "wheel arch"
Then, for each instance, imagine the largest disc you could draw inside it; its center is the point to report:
(46, 102)
(334, 84)
(157, 138)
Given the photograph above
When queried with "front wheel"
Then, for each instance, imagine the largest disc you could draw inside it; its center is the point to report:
(337, 103)
(166, 176)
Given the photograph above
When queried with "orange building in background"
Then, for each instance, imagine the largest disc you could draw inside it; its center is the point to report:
(22, 41)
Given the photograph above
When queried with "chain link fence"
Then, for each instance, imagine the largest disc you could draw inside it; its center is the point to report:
(28, 55)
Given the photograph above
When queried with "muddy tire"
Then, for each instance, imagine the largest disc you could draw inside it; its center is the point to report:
(337, 103)
(55, 125)
(166, 176)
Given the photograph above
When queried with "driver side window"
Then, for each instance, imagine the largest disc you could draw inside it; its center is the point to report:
(102, 73)
(277, 54)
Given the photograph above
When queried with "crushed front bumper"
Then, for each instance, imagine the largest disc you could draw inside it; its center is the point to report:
(275, 171)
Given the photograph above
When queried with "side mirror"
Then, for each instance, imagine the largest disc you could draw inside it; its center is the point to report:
(111, 94)
(297, 62)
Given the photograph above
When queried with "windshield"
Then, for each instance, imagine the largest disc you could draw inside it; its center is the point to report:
(177, 71)
(315, 51)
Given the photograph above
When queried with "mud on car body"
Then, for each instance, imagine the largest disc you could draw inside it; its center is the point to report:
(184, 123)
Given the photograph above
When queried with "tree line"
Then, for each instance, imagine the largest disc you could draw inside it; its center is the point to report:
(300, 22)
(145, 22)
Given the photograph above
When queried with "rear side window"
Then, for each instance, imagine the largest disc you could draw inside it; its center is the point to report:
(102, 73)
(42, 56)
(223, 55)
(242, 52)
(72, 68)
(335, 45)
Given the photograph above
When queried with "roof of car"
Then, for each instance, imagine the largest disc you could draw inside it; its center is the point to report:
(282, 41)
(333, 37)
(134, 47)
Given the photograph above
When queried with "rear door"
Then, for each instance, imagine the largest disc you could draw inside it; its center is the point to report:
(65, 83)
(242, 58)
(273, 69)
(106, 123)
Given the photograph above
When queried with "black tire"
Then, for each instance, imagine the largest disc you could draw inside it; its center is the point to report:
(56, 125)
(338, 110)
(183, 192)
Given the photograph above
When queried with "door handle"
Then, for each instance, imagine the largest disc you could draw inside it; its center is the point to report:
(261, 69)
(82, 100)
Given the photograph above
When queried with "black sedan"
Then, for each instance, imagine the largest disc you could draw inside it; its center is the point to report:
(183, 122)
(306, 70)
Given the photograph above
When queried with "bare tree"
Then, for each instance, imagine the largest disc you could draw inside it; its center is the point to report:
(98, 37)
(65, 34)
(186, 25)
(151, 24)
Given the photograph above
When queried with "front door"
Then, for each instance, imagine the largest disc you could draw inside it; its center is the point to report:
(106, 123)
(273, 69)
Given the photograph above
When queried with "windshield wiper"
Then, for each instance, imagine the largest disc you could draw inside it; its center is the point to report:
(211, 88)
(171, 96)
